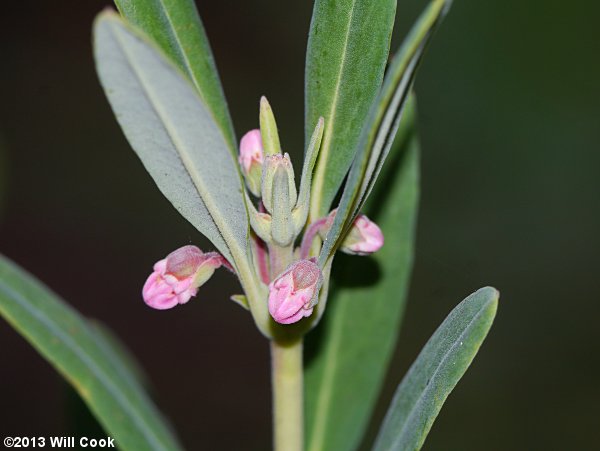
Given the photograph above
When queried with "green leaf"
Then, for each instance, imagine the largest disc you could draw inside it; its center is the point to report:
(347, 52)
(379, 130)
(362, 319)
(177, 29)
(437, 370)
(179, 143)
(85, 359)
(119, 354)
(173, 133)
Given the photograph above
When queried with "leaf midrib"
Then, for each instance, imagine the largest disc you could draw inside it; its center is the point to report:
(119, 396)
(386, 119)
(319, 178)
(419, 400)
(228, 236)
(179, 48)
(194, 78)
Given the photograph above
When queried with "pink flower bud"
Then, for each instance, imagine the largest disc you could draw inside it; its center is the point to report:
(365, 237)
(251, 160)
(176, 278)
(292, 295)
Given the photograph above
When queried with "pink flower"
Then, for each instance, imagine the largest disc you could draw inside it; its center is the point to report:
(251, 160)
(365, 237)
(176, 278)
(292, 295)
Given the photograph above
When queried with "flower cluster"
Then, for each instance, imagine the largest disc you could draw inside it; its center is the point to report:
(278, 214)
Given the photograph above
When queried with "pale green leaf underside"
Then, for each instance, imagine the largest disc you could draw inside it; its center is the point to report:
(177, 29)
(85, 359)
(362, 322)
(347, 52)
(173, 133)
(436, 371)
(379, 130)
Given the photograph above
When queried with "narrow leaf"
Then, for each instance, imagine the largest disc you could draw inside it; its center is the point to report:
(173, 133)
(347, 52)
(85, 359)
(364, 311)
(120, 356)
(435, 373)
(177, 29)
(380, 129)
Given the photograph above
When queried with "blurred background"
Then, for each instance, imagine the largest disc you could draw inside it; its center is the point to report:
(509, 114)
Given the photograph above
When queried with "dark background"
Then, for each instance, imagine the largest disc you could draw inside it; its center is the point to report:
(509, 101)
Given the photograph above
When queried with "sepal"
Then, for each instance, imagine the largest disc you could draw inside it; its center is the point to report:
(300, 212)
(268, 129)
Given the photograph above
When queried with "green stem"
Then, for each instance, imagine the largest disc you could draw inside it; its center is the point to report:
(288, 402)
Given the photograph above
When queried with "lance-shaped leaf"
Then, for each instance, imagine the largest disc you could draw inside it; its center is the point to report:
(177, 29)
(380, 129)
(364, 310)
(435, 373)
(86, 360)
(173, 133)
(347, 52)
(120, 356)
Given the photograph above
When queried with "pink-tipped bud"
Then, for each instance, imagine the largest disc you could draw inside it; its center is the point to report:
(251, 160)
(293, 294)
(176, 278)
(364, 238)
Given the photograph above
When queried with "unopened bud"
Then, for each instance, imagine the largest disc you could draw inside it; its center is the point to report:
(177, 277)
(251, 160)
(279, 197)
(364, 237)
(293, 294)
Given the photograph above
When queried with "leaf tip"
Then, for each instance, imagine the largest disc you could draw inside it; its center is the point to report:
(108, 13)
(491, 296)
